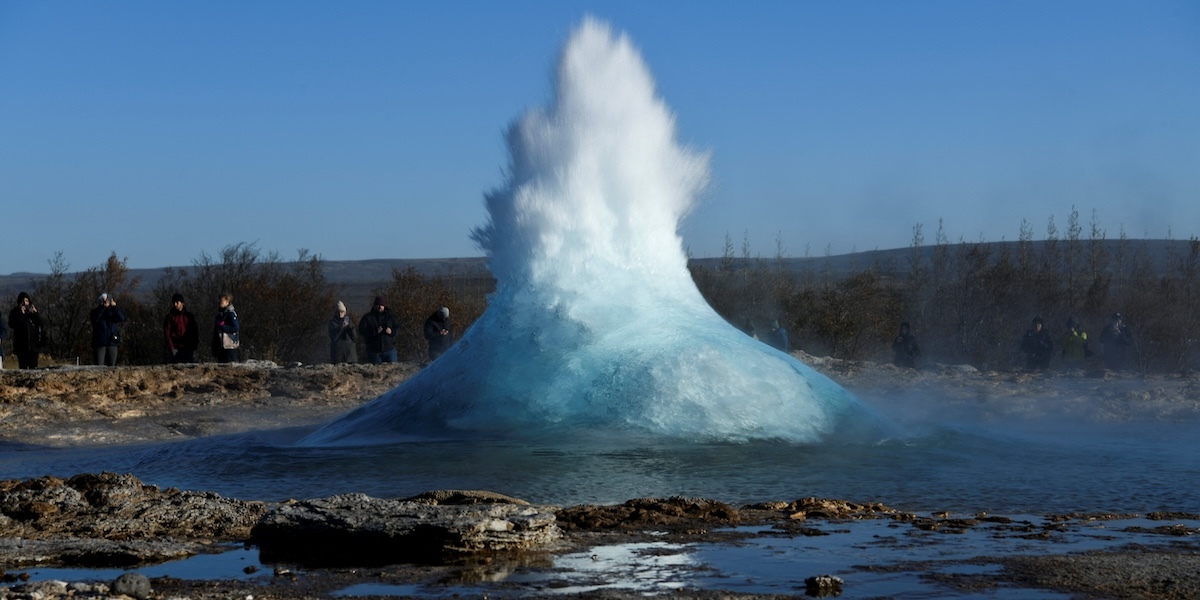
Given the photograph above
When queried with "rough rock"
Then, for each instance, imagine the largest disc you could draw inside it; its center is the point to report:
(114, 520)
(458, 497)
(1138, 573)
(675, 513)
(134, 585)
(119, 507)
(356, 529)
(823, 585)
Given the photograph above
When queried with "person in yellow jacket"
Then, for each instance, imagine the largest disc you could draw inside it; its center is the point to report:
(1075, 349)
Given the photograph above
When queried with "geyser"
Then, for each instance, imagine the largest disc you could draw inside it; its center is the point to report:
(596, 325)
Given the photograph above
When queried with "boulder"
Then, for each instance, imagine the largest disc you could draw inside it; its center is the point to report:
(359, 530)
(134, 585)
(112, 520)
(119, 507)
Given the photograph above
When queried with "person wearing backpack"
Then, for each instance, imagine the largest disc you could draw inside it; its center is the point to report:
(226, 331)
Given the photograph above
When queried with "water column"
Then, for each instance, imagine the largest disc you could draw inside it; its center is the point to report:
(596, 324)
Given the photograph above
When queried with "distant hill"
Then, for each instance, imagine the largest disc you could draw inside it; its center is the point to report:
(357, 277)
(897, 261)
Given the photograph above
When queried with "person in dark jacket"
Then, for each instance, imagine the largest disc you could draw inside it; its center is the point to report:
(777, 336)
(378, 329)
(3, 338)
(226, 332)
(905, 349)
(1037, 346)
(1116, 340)
(106, 320)
(181, 331)
(342, 337)
(439, 332)
(25, 323)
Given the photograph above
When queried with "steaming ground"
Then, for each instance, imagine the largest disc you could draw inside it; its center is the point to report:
(1062, 398)
(94, 406)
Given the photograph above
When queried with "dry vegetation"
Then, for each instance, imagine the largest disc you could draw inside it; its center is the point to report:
(967, 302)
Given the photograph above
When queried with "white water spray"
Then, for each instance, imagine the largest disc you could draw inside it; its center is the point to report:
(596, 324)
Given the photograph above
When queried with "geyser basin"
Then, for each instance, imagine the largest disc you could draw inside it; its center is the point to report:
(596, 324)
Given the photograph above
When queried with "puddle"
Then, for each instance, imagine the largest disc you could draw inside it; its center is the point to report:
(650, 568)
(379, 589)
(226, 565)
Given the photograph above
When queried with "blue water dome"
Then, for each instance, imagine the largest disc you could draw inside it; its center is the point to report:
(596, 324)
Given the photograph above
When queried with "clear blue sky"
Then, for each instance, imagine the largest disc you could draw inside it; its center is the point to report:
(356, 130)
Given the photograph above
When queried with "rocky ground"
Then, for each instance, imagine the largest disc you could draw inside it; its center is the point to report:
(88, 406)
(106, 519)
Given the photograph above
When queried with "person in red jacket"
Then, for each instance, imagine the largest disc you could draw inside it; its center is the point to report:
(181, 331)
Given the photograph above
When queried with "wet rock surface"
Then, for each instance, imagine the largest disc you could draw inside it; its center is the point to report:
(111, 520)
(355, 529)
(471, 538)
(1135, 573)
(467, 537)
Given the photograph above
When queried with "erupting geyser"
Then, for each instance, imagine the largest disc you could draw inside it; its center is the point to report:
(596, 324)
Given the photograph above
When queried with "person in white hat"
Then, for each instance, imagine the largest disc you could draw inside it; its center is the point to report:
(439, 332)
(342, 336)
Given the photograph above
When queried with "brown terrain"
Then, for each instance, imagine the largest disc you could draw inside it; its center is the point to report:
(75, 406)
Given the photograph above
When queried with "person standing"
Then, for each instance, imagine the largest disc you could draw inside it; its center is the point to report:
(1074, 345)
(778, 337)
(439, 332)
(1116, 339)
(905, 349)
(342, 337)
(181, 331)
(26, 323)
(378, 328)
(3, 338)
(106, 321)
(1037, 346)
(226, 331)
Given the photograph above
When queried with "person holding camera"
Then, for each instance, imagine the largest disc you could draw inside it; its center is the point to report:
(1075, 351)
(106, 321)
(342, 336)
(438, 332)
(1116, 340)
(378, 329)
(27, 328)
